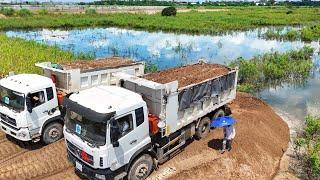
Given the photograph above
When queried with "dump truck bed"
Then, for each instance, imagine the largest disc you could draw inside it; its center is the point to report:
(108, 63)
(205, 88)
(77, 75)
(188, 75)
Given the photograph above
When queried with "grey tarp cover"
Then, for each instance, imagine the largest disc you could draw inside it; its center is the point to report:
(86, 112)
(208, 89)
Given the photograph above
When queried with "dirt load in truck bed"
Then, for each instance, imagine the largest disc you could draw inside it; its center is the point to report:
(189, 74)
(112, 62)
(261, 138)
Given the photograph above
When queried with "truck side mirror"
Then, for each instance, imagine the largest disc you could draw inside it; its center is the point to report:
(114, 132)
(29, 104)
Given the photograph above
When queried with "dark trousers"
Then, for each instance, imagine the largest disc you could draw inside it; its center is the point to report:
(227, 144)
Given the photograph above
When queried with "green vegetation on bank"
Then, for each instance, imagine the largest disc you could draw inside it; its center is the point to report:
(272, 69)
(218, 21)
(307, 148)
(20, 55)
(309, 33)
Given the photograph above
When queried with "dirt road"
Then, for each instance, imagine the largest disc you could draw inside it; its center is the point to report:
(259, 144)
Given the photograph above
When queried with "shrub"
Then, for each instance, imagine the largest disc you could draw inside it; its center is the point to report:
(150, 68)
(91, 11)
(43, 12)
(169, 11)
(24, 12)
(307, 147)
(7, 11)
(273, 69)
(289, 12)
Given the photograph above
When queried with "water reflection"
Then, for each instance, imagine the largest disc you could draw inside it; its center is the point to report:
(164, 49)
(170, 50)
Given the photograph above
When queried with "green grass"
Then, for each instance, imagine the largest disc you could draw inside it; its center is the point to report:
(191, 22)
(273, 69)
(20, 55)
(307, 147)
(309, 33)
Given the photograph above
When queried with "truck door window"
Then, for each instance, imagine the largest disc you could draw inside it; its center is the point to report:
(139, 116)
(37, 99)
(126, 124)
(49, 91)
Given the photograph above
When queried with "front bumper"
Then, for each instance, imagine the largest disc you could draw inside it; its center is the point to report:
(22, 134)
(88, 171)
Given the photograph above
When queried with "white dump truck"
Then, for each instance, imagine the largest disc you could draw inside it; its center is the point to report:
(30, 104)
(125, 131)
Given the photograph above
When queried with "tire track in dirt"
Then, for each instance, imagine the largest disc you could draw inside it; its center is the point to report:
(9, 150)
(2, 136)
(38, 163)
(67, 174)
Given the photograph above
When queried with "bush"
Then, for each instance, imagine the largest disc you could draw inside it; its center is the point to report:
(169, 11)
(7, 11)
(289, 12)
(307, 147)
(150, 68)
(91, 11)
(43, 12)
(273, 69)
(24, 12)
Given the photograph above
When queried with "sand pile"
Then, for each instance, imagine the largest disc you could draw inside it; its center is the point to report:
(189, 74)
(100, 63)
(259, 144)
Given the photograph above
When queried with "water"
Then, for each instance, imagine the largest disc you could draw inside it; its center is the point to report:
(169, 50)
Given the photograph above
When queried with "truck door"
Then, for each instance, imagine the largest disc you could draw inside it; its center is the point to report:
(118, 156)
(39, 110)
(130, 141)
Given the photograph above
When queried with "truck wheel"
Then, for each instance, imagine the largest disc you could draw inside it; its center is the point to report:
(219, 113)
(141, 168)
(52, 133)
(203, 128)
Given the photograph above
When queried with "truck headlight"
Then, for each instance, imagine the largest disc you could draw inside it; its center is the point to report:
(100, 176)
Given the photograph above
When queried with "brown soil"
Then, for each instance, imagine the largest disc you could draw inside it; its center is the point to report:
(187, 75)
(259, 144)
(101, 64)
(261, 138)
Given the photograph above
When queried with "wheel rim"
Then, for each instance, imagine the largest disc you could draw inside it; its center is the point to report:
(54, 133)
(142, 171)
(204, 128)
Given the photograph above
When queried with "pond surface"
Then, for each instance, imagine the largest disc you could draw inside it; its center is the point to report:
(170, 50)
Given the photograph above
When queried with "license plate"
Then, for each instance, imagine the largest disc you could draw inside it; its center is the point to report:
(79, 166)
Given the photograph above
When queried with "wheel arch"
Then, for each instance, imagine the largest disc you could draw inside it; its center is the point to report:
(147, 149)
(51, 120)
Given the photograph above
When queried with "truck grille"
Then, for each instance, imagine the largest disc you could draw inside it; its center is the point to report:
(8, 120)
(77, 152)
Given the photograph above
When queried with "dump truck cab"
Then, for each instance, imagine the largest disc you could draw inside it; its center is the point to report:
(106, 127)
(28, 104)
(31, 105)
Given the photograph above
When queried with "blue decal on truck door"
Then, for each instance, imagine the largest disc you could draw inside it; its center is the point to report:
(6, 100)
(78, 129)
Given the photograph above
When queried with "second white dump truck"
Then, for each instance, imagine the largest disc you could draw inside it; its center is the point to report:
(114, 132)
(30, 104)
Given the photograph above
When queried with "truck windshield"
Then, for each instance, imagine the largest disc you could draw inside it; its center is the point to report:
(12, 99)
(93, 132)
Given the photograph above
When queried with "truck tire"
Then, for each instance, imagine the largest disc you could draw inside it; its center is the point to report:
(219, 113)
(203, 128)
(52, 133)
(141, 168)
